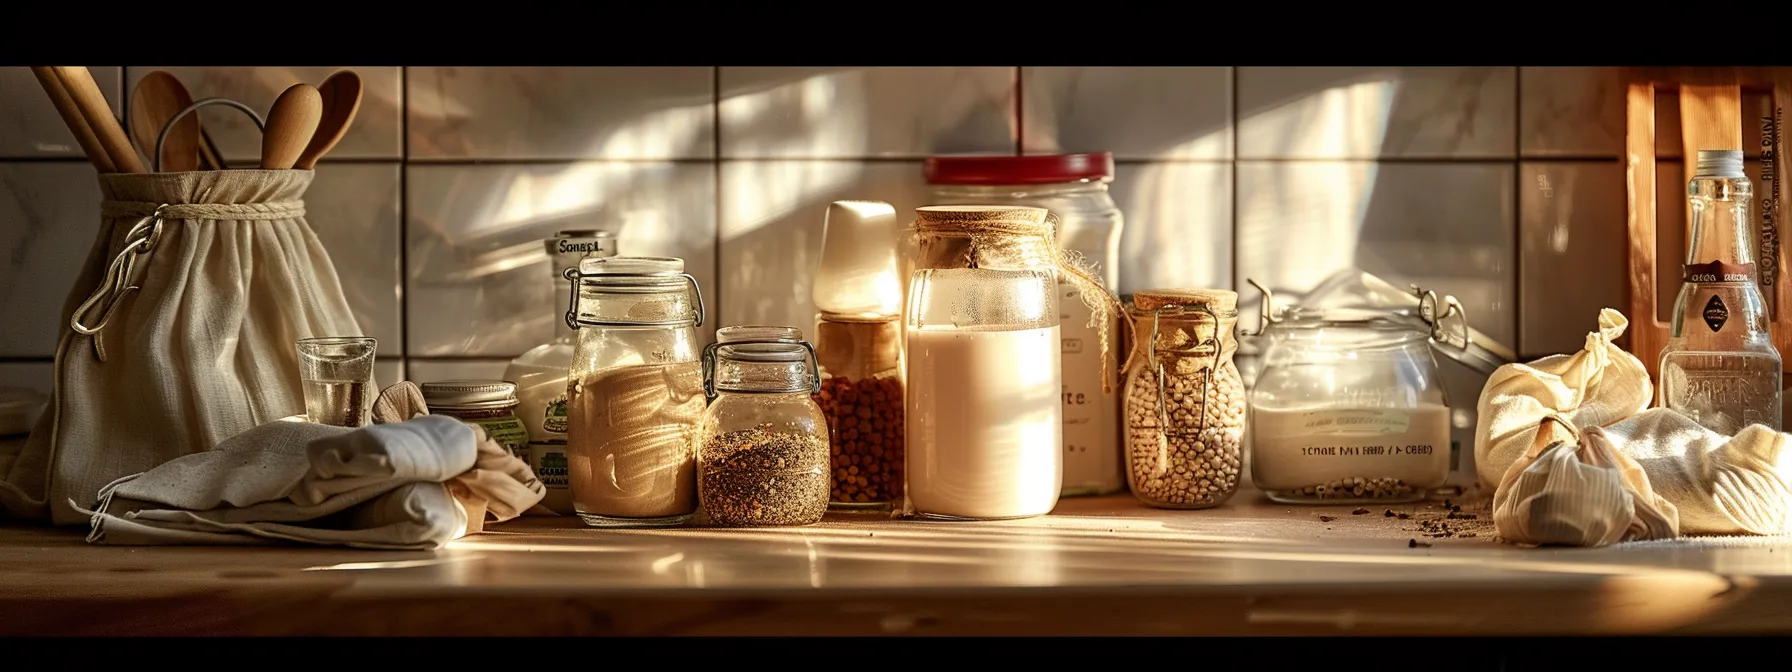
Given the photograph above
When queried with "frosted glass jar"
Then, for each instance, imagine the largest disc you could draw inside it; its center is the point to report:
(634, 392)
(1348, 409)
(1074, 188)
(984, 421)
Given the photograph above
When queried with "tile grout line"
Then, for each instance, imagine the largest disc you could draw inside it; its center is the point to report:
(404, 220)
(1020, 111)
(715, 169)
(1518, 208)
(1232, 265)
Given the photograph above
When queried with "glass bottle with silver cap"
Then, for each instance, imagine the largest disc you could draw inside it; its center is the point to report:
(540, 374)
(634, 392)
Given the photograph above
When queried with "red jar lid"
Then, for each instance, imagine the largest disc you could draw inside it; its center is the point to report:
(1042, 169)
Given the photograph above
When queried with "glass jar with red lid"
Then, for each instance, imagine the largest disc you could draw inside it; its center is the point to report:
(1074, 187)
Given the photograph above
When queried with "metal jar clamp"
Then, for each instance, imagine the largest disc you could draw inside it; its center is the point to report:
(709, 362)
(572, 310)
(1163, 413)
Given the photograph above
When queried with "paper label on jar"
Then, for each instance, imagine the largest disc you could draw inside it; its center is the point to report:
(1355, 422)
(1091, 418)
(1297, 449)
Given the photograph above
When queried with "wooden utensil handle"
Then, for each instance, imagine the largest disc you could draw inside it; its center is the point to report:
(78, 81)
(72, 117)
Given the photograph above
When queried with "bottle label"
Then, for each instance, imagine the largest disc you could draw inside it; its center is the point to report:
(1716, 313)
(1718, 271)
(554, 418)
(548, 459)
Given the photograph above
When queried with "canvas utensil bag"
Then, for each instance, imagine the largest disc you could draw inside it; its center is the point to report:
(179, 332)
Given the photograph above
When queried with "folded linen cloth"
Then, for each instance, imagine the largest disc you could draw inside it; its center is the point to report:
(413, 481)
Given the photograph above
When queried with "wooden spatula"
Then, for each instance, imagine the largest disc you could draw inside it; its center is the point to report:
(71, 115)
(291, 123)
(160, 96)
(341, 99)
(85, 93)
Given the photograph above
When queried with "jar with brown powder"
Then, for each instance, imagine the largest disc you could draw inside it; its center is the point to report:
(634, 392)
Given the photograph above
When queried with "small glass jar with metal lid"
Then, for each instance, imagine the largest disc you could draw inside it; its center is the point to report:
(488, 404)
(634, 391)
(1350, 407)
(1184, 399)
(762, 456)
(1074, 188)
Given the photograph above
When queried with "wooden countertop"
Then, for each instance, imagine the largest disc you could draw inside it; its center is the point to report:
(1098, 566)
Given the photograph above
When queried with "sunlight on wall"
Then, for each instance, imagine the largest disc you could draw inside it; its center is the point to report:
(773, 239)
(1348, 120)
(1293, 233)
(1560, 199)
(831, 111)
(1167, 240)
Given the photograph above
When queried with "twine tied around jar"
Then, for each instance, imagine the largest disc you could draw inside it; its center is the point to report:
(1018, 237)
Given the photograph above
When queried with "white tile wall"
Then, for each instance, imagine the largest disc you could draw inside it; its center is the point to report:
(852, 113)
(1368, 113)
(475, 253)
(561, 113)
(1497, 184)
(1136, 113)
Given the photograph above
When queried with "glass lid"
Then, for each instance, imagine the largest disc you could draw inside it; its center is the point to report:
(1353, 298)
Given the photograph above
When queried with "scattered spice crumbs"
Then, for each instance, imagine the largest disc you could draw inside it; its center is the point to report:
(1359, 512)
(1327, 519)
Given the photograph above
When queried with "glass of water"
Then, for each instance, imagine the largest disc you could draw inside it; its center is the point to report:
(337, 374)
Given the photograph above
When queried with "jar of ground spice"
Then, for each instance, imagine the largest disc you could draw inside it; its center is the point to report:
(762, 446)
(1184, 400)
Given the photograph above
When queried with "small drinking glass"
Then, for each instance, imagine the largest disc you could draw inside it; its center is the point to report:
(337, 374)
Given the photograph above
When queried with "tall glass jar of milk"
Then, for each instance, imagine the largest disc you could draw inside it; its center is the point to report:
(1074, 188)
(984, 422)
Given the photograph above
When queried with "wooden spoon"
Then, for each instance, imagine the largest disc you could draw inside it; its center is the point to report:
(341, 99)
(160, 96)
(290, 125)
(78, 82)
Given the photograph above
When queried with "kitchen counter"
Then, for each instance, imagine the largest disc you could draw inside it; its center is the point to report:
(1096, 566)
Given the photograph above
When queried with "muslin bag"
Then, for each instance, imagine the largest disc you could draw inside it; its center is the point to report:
(1722, 485)
(179, 332)
(1597, 386)
(1577, 489)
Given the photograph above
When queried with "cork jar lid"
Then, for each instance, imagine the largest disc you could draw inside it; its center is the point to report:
(981, 218)
(1219, 300)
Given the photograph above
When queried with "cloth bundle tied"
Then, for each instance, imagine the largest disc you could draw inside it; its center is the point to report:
(1580, 459)
(1016, 238)
(411, 481)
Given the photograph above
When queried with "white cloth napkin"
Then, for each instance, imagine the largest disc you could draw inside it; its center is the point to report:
(411, 483)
